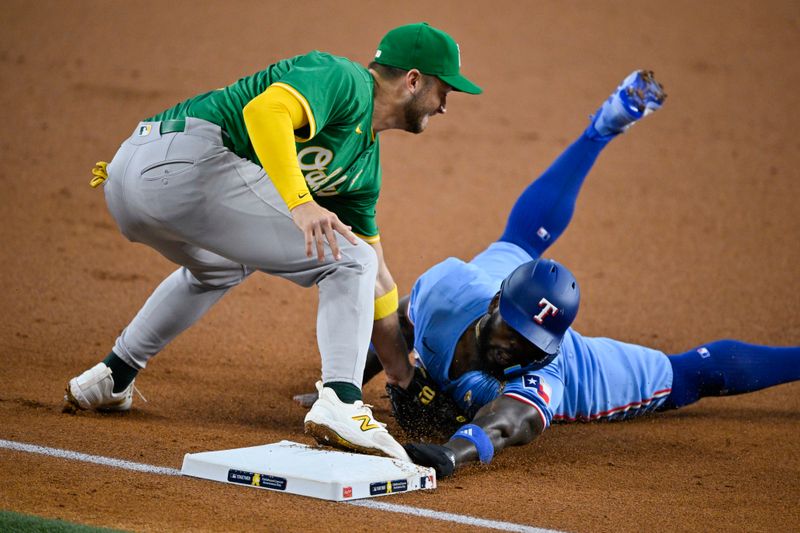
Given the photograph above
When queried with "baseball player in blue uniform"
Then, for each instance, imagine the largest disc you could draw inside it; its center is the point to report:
(493, 334)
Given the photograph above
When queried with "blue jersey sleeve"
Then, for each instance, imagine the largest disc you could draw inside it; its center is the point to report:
(542, 390)
(472, 390)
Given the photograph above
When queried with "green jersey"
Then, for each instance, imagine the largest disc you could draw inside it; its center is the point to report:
(337, 151)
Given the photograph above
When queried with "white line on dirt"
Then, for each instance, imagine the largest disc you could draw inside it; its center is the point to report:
(449, 517)
(379, 506)
(86, 458)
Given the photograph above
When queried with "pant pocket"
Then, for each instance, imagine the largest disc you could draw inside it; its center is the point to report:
(167, 168)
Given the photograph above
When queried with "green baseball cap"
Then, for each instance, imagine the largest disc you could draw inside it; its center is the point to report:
(427, 49)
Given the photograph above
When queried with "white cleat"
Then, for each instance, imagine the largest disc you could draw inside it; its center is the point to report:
(350, 427)
(93, 390)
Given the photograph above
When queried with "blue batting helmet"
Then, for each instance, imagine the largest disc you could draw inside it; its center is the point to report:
(539, 300)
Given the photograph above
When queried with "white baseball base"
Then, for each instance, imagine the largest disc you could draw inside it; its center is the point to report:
(295, 468)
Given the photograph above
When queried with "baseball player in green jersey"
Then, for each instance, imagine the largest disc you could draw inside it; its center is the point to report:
(278, 172)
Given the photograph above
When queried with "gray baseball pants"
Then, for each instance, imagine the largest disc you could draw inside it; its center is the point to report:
(220, 218)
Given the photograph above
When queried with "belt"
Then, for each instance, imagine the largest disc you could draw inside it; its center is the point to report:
(173, 126)
(178, 125)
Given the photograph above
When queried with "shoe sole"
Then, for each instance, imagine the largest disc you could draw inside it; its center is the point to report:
(328, 437)
(651, 87)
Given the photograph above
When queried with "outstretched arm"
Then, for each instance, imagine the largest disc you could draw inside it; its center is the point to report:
(506, 421)
(387, 337)
(374, 366)
(500, 423)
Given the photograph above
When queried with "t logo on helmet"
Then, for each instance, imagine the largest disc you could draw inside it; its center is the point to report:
(549, 309)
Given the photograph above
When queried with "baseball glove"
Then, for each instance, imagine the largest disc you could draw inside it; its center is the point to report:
(422, 410)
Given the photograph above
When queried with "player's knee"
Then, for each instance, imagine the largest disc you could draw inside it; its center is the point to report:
(361, 258)
(214, 279)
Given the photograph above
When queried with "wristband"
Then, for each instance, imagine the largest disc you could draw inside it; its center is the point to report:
(479, 438)
(386, 304)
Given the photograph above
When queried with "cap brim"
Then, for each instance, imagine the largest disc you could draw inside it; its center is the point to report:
(461, 84)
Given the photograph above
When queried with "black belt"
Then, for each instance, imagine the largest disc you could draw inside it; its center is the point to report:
(178, 125)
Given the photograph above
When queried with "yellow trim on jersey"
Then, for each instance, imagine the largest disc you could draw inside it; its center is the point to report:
(387, 304)
(312, 124)
(369, 240)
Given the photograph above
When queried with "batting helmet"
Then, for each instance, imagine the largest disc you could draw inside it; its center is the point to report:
(539, 300)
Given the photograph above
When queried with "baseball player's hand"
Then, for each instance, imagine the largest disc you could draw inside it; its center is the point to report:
(440, 458)
(318, 224)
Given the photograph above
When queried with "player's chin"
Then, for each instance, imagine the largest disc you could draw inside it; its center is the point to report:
(498, 359)
(419, 126)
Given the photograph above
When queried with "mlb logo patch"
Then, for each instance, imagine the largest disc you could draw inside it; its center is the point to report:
(704, 353)
(144, 130)
(543, 234)
(538, 384)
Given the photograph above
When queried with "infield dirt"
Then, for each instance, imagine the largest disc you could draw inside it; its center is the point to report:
(686, 231)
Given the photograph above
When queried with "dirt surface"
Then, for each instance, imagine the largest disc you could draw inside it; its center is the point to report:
(686, 231)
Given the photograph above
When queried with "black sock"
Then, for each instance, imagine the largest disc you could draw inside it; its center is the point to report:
(122, 373)
(347, 392)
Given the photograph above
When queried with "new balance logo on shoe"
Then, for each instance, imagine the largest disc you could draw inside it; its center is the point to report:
(366, 422)
(349, 426)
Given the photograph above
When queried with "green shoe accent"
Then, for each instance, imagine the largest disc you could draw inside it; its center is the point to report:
(122, 373)
(347, 392)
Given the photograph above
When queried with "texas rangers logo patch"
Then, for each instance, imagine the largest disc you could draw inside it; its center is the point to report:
(537, 383)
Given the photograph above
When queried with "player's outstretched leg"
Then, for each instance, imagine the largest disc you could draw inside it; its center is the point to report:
(177, 303)
(543, 211)
(728, 367)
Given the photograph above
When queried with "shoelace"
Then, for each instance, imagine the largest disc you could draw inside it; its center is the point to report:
(135, 388)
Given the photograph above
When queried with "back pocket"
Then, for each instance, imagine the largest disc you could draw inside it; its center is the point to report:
(165, 169)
